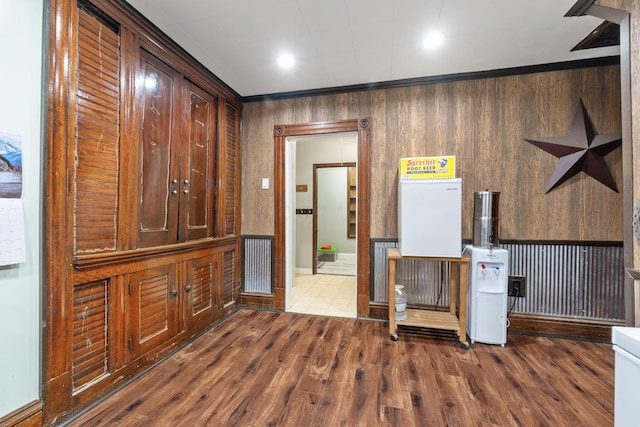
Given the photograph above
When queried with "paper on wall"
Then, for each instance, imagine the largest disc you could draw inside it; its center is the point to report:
(12, 243)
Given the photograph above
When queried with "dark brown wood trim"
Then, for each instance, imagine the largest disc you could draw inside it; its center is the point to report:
(569, 65)
(605, 34)
(363, 207)
(379, 311)
(281, 132)
(612, 243)
(256, 301)
(28, 416)
(579, 8)
(58, 237)
(257, 236)
(561, 328)
(87, 261)
(315, 128)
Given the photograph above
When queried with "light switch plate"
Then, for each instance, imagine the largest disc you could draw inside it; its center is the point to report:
(265, 183)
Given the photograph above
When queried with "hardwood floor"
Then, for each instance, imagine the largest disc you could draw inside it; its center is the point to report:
(262, 368)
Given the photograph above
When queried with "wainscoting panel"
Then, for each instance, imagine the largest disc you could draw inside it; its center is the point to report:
(569, 280)
(258, 264)
(583, 281)
(426, 282)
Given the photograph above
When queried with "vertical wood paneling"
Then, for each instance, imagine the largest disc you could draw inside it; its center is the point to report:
(90, 339)
(379, 181)
(483, 123)
(97, 137)
(257, 154)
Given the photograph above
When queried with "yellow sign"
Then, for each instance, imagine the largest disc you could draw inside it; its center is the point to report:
(428, 167)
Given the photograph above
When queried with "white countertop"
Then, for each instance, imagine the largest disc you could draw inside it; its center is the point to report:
(627, 338)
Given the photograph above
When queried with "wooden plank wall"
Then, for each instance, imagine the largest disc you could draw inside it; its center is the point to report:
(633, 112)
(482, 122)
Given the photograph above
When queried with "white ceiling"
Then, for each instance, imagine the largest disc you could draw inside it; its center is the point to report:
(351, 42)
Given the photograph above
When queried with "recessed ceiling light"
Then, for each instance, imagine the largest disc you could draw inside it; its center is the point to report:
(433, 40)
(285, 60)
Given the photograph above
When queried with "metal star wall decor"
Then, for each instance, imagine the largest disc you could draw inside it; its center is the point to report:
(581, 150)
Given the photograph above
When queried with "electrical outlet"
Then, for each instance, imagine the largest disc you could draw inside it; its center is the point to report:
(517, 286)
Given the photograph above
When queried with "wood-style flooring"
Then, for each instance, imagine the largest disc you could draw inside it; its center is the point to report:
(262, 368)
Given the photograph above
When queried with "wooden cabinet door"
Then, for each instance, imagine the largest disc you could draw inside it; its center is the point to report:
(159, 181)
(202, 290)
(197, 166)
(177, 157)
(153, 307)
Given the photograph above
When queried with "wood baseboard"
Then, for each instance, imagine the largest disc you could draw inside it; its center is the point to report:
(251, 300)
(534, 325)
(562, 328)
(28, 416)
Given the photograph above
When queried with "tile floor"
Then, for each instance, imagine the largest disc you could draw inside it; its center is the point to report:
(325, 295)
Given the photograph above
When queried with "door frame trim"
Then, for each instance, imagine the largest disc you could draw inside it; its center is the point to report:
(280, 134)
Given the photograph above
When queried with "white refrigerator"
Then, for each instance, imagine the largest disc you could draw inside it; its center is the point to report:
(626, 344)
(430, 217)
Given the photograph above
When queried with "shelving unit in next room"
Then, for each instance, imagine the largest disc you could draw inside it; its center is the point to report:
(351, 202)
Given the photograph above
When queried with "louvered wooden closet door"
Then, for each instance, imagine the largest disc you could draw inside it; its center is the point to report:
(153, 307)
(202, 290)
(90, 336)
(97, 136)
(230, 158)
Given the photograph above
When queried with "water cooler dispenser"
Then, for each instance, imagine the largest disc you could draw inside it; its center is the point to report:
(488, 275)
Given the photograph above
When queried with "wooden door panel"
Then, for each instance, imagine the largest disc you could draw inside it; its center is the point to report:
(90, 337)
(201, 290)
(153, 307)
(97, 137)
(198, 168)
(159, 186)
(229, 284)
(228, 202)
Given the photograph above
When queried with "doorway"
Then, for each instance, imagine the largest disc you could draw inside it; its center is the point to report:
(284, 270)
(334, 218)
(318, 181)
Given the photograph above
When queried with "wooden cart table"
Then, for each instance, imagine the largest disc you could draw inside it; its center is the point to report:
(432, 319)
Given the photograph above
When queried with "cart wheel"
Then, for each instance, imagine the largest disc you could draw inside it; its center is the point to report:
(464, 344)
(394, 337)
